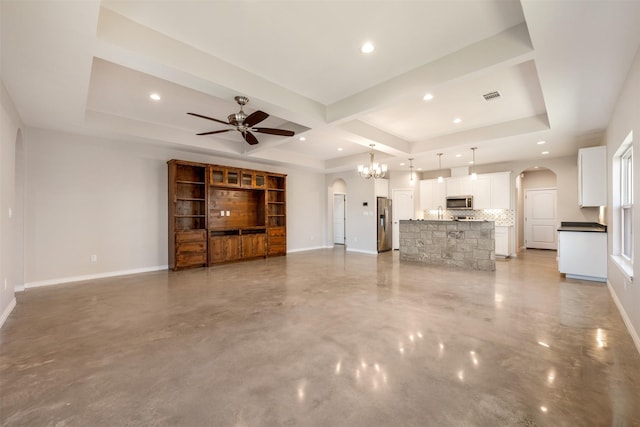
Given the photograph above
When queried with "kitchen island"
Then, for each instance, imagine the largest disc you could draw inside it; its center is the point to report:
(463, 244)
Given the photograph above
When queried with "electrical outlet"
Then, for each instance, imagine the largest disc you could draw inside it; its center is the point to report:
(94, 258)
(228, 213)
(5, 283)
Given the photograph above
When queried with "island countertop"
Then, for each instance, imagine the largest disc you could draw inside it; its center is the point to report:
(468, 244)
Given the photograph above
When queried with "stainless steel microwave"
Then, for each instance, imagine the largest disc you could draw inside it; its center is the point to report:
(460, 202)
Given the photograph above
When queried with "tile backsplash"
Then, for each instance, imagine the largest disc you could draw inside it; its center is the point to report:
(500, 216)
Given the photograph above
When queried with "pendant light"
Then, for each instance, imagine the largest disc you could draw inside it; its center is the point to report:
(411, 180)
(440, 178)
(474, 175)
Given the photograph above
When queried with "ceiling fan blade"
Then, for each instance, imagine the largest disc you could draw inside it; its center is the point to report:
(209, 118)
(214, 131)
(250, 138)
(282, 132)
(255, 118)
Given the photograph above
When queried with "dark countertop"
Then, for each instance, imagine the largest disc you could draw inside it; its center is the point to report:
(589, 227)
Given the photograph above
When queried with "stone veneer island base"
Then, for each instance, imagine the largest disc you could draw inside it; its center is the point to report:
(464, 244)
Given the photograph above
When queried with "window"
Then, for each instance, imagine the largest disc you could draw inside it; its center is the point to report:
(622, 195)
(626, 203)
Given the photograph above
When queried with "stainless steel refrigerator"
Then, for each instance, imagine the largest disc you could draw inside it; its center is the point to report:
(384, 224)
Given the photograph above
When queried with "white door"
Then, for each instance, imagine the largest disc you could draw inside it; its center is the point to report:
(338, 218)
(540, 225)
(402, 208)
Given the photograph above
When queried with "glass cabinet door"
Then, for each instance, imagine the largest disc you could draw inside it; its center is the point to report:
(260, 180)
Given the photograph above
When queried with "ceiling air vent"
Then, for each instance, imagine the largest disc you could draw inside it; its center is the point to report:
(491, 95)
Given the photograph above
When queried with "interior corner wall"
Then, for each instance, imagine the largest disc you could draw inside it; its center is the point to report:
(360, 223)
(626, 118)
(96, 196)
(10, 125)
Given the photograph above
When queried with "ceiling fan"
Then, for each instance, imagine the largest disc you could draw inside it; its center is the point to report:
(245, 124)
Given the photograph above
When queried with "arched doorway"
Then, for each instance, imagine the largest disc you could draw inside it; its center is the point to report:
(536, 209)
(338, 212)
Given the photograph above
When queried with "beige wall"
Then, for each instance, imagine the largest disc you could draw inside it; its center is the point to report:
(87, 196)
(626, 118)
(10, 237)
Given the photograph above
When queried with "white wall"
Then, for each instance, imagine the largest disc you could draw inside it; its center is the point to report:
(626, 118)
(360, 222)
(99, 196)
(9, 132)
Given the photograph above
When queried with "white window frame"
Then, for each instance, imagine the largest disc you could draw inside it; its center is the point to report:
(626, 204)
(622, 174)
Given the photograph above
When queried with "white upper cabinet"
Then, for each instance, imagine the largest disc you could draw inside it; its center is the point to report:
(481, 192)
(382, 187)
(592, 176)
(459, 186)
(501, 190)
(432, 194)
(492, 191)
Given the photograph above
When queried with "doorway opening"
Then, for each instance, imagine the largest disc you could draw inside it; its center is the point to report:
(402, 208)
(537, 211)
(338, 212)
(339, 218)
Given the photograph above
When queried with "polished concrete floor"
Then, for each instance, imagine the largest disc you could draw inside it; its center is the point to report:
(322, 338)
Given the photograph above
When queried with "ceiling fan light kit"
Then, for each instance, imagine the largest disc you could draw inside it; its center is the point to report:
(244, 123)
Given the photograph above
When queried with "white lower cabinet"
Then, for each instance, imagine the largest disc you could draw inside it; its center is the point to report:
(583, 255)
(503, 240)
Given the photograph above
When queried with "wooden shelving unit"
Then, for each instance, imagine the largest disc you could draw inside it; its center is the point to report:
(187, 214)
(276, 215)
(222, 214)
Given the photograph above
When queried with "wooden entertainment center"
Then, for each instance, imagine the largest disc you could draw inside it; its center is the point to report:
(221, 214)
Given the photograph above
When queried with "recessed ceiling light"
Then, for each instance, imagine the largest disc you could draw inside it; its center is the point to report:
(418, 169)
(458, 155)
(402, 164)
(457, 120)
(367, 47)
(541, 142)
(155, 96)
(339, 148)
(428, 97)
(302, 138)
(545, 152)
(470, 162)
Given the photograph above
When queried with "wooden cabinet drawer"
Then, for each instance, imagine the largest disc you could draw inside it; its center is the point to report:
(277, 250)
(277, 240)
(191, 259)
(277, 231)
(183, 248)
(191, 236)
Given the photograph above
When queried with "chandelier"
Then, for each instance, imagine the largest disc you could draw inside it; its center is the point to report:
(374, 170)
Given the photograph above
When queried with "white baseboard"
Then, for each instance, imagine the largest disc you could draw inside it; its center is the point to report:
(62, 280)
(7, 311)
(625, 318)
(362, 251)
(314, 248)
